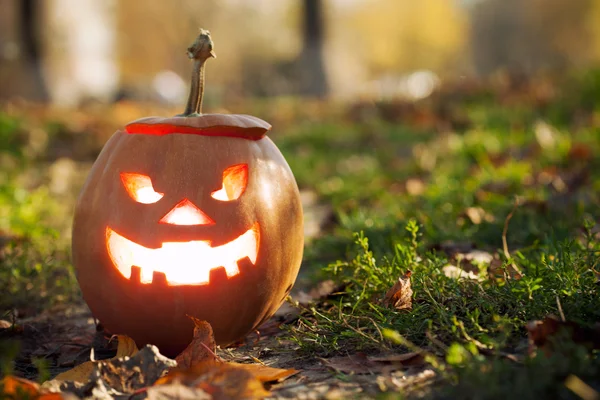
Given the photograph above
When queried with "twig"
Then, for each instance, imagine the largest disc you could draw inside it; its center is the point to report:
(504, 241)
(560, 310)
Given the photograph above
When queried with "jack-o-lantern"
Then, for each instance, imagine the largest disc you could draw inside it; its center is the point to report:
(194, 215)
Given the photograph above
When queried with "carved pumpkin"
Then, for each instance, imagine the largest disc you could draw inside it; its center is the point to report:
(191, 215)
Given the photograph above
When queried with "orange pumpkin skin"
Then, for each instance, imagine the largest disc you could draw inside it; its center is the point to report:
(185, 158)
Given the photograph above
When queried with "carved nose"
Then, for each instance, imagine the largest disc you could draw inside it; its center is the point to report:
(186, 213)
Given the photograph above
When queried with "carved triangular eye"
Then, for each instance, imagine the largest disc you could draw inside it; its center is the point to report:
(235, 180)
(139, 187)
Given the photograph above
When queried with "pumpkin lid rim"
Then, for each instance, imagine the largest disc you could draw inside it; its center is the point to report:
(230, 125)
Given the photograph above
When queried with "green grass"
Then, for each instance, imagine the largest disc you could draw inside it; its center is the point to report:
(35, 269)
(498, 161)
(540, 156)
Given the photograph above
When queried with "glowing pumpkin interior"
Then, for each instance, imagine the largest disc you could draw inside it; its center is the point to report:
(182, 263)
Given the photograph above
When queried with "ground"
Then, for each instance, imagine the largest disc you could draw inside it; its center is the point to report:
(487, 193)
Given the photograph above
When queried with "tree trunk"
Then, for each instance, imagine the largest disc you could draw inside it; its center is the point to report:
(312, 77)
(29, 16)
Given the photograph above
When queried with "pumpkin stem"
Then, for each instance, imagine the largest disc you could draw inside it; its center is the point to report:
(200, 51)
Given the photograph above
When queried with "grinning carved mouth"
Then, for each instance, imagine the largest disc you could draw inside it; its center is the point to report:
(182, 263)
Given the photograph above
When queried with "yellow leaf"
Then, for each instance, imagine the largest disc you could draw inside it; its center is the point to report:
(81, 373)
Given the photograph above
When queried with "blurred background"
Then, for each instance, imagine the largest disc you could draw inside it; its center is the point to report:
(69, 52)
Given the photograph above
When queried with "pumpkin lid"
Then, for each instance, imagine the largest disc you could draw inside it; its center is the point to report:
(229, 125)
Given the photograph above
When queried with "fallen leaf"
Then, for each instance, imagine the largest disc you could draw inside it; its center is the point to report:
(475, 257)
(5, 324)
(454, 272)
(580, 152)
(405, 359)
(477, 215)
(415, 186)
(400, 295)
(202, 347)
(81, 372)
(118, 376)
(352, 364)
(265, 373)
(220, 380)
(127, 347)
(176, 391)
(323, 290)
(545, 134)
(542, 333)
(128, 374)
(360, 363)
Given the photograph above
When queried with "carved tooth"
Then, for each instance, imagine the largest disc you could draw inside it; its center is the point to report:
(232, 269)
(217, 275)
(159, 278)
(136, 273)
(147, 274)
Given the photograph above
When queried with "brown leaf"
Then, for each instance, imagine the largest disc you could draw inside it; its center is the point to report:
(542, 333)
(361, 364)
(202, 347)
(323, 290)
(118, 375)
(266, 374)
(81, 372)
(176, 391)
(415, 186)
(406, 359)
(352, 364)
(477, 215)
(127, 347)
(220, 380)
(452, 271)
(5, 324)
(400, 295)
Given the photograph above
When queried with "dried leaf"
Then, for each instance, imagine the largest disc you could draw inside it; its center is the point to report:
(415, 186)
(128, 374)
(127, 347)
(454, 272)
(361, 364)
(352, 364)
(266, 374)
(176, 391)
(81, 373)
(542, 333)
(400, 295)
(202, 347)
(5, 324)
(118, 376)
(53, 396)
(323, 290)
(219, 379)
(405, 359)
